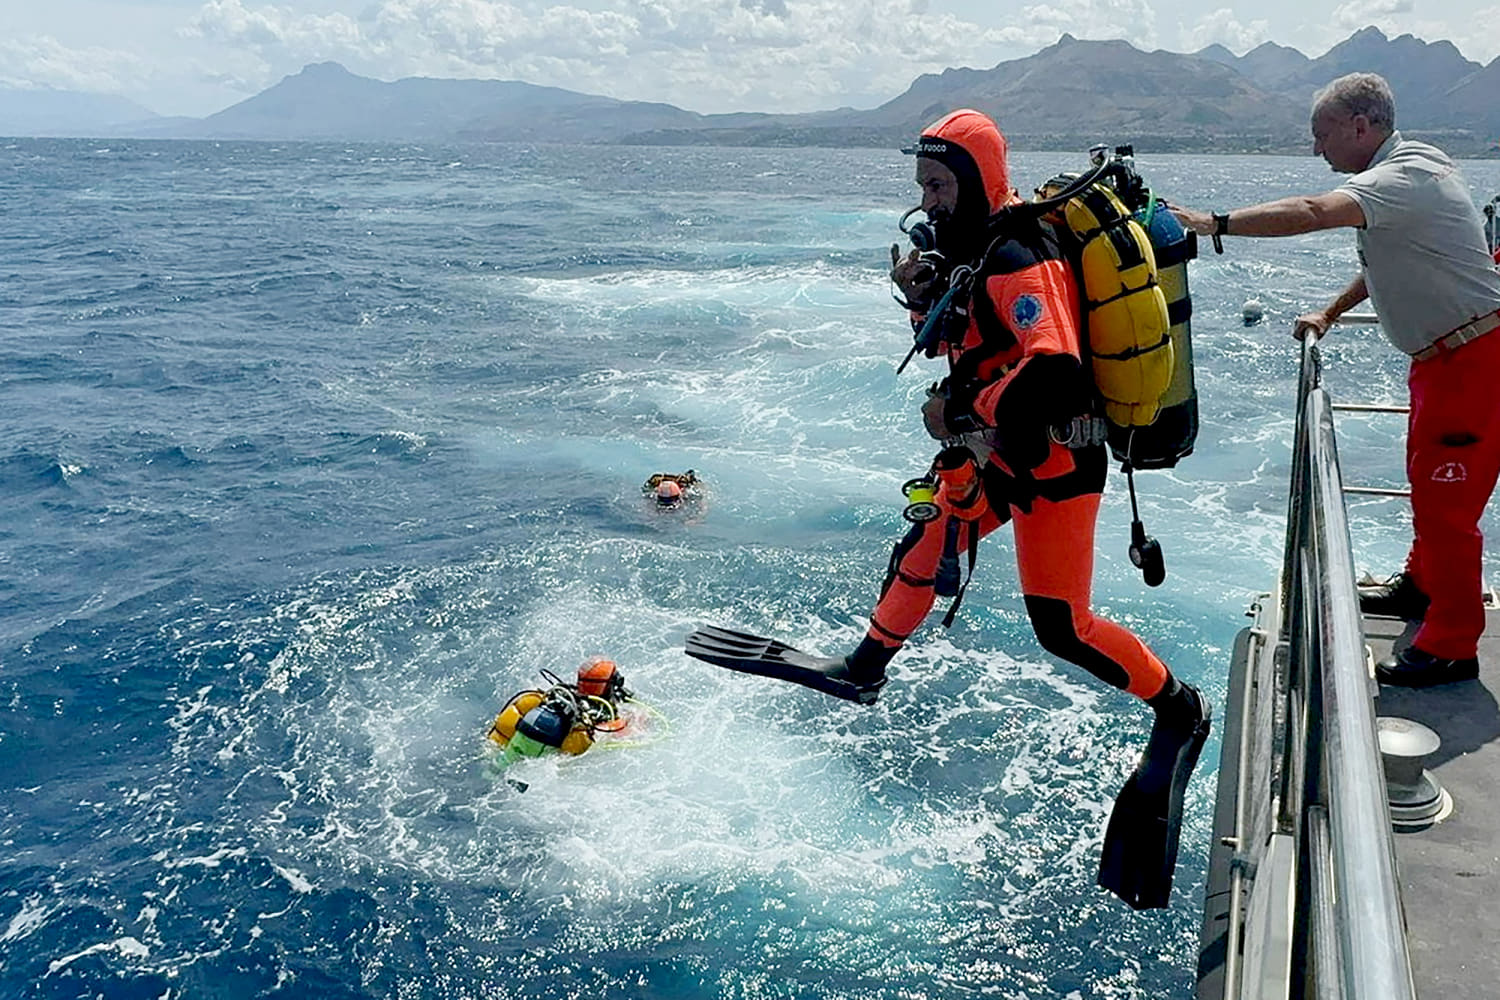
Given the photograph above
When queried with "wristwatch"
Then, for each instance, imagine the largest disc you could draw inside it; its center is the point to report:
(1221, 228)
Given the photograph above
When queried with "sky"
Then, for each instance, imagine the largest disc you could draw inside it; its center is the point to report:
(195, 57)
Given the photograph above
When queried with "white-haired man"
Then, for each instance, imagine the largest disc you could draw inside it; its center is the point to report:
(1435, 287)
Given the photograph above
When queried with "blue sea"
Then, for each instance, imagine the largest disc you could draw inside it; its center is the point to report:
(312, 454)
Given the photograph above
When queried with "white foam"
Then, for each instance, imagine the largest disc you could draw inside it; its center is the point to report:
(294, 879)
(128, 947)
(213, 860)
(32, 915)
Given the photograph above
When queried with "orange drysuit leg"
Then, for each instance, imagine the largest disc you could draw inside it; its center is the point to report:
(907, 594)
(1055, 556)
(1452, 461)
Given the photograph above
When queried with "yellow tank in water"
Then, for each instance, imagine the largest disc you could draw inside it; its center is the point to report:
(510, 716)
(577, 741)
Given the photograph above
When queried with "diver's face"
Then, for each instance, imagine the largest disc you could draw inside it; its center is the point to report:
(939, 189)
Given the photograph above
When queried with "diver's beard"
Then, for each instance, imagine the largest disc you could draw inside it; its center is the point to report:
(957, 239)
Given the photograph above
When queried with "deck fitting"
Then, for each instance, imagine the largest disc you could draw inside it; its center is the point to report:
(1416, 798)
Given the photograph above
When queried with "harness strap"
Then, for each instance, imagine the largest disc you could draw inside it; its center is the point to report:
(1125, 290)
(887, 632)
(973, 557)
(1082, 431)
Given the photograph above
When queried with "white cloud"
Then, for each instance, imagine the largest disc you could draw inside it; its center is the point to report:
(1480, 45)
(1132, 20)
(1223, 27)
(271, 28)
(42, 61)
(705, 54)
(1484, 44)
(1356, 14)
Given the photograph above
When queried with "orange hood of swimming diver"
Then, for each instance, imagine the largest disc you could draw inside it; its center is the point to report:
(969, 143)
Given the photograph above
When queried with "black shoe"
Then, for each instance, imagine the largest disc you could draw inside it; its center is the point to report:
(1414, 668)
(866, 667)
(1398, 597)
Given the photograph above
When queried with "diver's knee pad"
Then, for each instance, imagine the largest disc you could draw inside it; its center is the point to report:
(1052, 620)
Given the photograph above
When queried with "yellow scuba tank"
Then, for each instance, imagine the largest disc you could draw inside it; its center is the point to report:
(1125, 311)
(1147, 431)
(503, 730)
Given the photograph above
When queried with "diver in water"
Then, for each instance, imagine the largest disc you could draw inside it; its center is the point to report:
(670, 489)
(1008, 416)
(564, 717)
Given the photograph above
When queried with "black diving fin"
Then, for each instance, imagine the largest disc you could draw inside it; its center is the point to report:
(753, 654)
(1140, 843)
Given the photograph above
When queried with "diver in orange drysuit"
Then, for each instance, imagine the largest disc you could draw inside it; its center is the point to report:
(1015, 384)
(1016, 391)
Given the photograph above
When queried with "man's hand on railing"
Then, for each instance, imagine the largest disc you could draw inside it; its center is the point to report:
(1315, 322)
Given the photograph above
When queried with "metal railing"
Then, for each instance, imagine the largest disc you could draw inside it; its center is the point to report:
(1316, 904)
(1309, 903)
(1369, 319)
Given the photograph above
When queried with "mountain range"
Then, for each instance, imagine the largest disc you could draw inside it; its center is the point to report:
(1066, 96)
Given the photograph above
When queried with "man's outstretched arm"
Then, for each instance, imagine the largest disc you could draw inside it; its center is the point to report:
(1283, 217)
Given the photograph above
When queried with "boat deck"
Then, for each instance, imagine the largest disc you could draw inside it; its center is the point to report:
(1450, 872)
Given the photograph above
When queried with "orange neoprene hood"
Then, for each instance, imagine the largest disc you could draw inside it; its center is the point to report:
(969, 143)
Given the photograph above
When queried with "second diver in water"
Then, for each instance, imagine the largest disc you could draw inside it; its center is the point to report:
(1013, 342)
(670, 489)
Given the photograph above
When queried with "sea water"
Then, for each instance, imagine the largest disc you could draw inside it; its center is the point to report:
(312, 454)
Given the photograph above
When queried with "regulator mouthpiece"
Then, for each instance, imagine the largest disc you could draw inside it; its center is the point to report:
(922, 234)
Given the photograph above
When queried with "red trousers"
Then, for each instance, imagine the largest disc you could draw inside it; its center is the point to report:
(1452, 461)
(1055, 557)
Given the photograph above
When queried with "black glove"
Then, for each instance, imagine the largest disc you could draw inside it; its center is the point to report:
(943, 417)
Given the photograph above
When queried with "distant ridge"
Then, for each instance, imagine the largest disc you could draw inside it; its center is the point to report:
(1066, 96)
(326, 101)
(48, 112)
(1074, 93)
(1080, 90)
(1268, 65)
